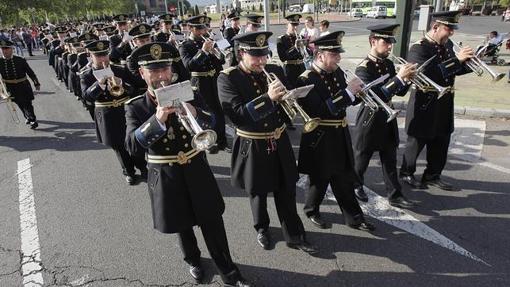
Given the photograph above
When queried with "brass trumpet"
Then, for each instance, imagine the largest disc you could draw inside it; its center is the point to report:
(292, 108)
(421, 81)
(477, 65)
(6, 98)
(371, 100)
(114, 84)
(202, 139)
(215, 50)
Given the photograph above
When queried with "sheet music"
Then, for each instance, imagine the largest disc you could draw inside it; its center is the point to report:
(126, 37)
(298, 93)
(223, 44)
(103, 73)
(171, 95)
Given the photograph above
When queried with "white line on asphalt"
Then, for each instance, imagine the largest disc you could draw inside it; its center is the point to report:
(31, 252)
(379, 208)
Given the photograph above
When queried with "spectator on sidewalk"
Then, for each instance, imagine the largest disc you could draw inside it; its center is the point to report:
(324, 27)
(26, 36)
(16, 40)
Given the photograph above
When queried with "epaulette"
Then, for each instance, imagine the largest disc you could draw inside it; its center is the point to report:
(305, 74)
(228, 70)
(363, 63)
(132, 99)
(83, 70)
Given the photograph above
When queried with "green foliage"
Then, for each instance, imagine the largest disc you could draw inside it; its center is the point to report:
(196, 12)
(261, 8)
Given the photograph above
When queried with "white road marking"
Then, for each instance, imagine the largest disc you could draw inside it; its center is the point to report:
(31, 261)
(379, 208)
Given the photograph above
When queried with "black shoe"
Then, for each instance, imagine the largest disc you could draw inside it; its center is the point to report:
(196, 272)
(439, 183)
(213, 150)
(27, 122)
(143, 174)
(130, 179)
(239, 281)
(360, 194)
(303, 246)
(411, 181)
(33, 125)
(401, 202)
(263, 239)
(319, 222)
(363, 226)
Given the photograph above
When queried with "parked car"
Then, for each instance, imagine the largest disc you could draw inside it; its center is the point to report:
(356, 12)
(377, 12)
(295, 8)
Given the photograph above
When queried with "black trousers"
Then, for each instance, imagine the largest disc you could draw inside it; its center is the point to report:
(219, 127)
(437, 152)
(388, 156)
(285, 202)
(216, 241)
(27, 109)
(128, 162)
(342, 186)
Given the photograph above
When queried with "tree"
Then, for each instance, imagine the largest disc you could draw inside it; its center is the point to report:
(261, 8)
(196, 12)
(271, 7)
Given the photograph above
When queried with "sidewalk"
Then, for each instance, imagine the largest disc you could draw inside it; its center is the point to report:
(331, 17)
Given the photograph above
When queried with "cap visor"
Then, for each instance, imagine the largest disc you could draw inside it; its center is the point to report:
(258, 52)
(156, 65)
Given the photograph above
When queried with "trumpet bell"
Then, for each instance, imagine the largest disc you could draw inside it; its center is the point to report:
(392, 115)
(204, 140)
(497, 77)
(311, 124)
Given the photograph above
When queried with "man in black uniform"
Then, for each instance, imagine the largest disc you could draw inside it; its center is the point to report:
(120, 47)
(262, 157)
(14, 71)
(373, 131)
(109, 95)
(253, 22)
(183, 190)
(325, 153)
(229, 33)
(205, 66)
(72, 57)
(429, 120)
(290, 56)
(140, 35)
(81, 65)
(165, 24)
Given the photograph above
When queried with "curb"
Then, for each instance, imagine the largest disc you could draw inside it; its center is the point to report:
(467, 111)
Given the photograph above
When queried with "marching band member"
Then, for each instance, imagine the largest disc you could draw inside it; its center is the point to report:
(109, 96)
(205, 66)
(325, 153)
(373, 131)
(120, 47)
(14, 71)
(183, 190)
(290, 56)
(231, 32)
(429, 120)
(262, 157)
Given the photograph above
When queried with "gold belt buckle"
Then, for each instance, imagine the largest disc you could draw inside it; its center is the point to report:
(211, 73)
(115, 103)
(182, 158)
(277, 133)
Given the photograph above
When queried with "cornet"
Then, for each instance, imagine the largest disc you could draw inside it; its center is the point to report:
(114, 84)
(477, 65)
(202, 139)
(6, 98)
(421, 81)
(371, 100)
(301, 47)
(216, 51)
(292, 108)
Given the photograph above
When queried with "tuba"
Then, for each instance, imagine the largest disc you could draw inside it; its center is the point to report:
(292, 108)
(477, 65)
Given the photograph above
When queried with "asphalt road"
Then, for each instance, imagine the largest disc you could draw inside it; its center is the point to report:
(94, 230)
